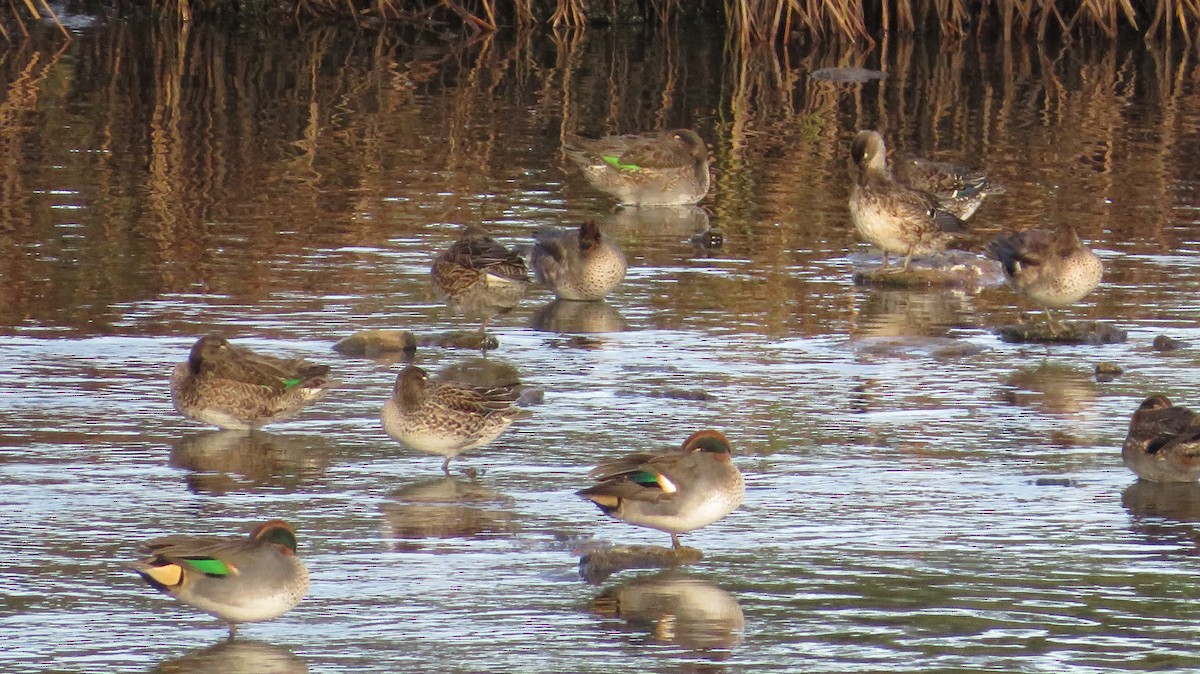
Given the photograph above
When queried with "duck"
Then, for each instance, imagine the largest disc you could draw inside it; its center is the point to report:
(959, 190)
(1052, 268)
(891, 216)
(238, 389)
(1163, 443)
(479, 276)
(236, 579)
(674, 491)
(581, 264)
(447, 418)
(655, 168)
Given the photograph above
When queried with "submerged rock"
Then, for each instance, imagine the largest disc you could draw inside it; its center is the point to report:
(1165, 343)
(1075, 332)
(461, 339)
(371, 343)
(954, 268)
(1108, 371)
(595, 567)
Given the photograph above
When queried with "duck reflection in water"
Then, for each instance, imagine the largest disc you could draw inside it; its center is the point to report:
(447, 507)
(1055, 388)
(1165, 514)
(681, 222)
(570, 317)
(235, 657)
(676, 609)
(224, 461)
(910, 313)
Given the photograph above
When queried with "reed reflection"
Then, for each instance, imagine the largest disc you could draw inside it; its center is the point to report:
(223, 461)
(235, 657)
(674, 608)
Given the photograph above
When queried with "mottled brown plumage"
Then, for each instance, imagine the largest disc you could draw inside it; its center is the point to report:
(479, 277)
(676, 491)
(578, 264)
(658, 168)
(1163, 443)
(960, 191)
(446, 418)
(1054, 269)
(236, 388)
(893, 217)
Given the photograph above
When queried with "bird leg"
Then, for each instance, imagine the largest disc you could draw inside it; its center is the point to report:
(674, 541)
(232, 631)
(1050, 322)
(446, 465)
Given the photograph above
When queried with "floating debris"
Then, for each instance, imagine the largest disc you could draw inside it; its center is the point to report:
(1070, 332)
(847, 74)
(371, 343)
(595, 567)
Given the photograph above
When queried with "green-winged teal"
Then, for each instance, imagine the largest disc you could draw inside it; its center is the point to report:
(578, 264)
(445, 418)
(658, 168)
(676, 491)
(478, 276)
(1163, 443)
(1054, 269)
(236, 579)
(891, 216)
(960, 191)
(236, 388)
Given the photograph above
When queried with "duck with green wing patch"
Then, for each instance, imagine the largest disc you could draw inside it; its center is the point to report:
(658, 168)
(236, 579)
(674, 492)
(235, 388)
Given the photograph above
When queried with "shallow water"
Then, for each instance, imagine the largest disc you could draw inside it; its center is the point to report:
(920, 495)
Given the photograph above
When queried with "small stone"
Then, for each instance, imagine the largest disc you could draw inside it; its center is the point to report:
(1108, 371)
(371, 343)
(1165, 343)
